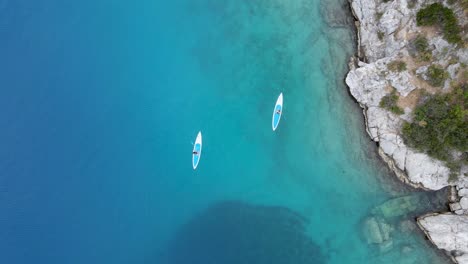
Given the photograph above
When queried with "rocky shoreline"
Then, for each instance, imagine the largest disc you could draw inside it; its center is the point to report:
(384, 32)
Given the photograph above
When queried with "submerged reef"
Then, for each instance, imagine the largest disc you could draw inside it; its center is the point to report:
(237, 232)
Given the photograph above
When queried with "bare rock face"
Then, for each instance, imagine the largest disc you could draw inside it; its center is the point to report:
(380, 19)
(366, 84)
(463, 192)
(448, 232)
(365, 12)
(464, 203)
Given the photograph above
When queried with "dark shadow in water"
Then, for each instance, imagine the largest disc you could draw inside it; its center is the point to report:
(240, 233)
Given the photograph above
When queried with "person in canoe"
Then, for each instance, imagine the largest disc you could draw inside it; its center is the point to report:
(195, 152)
(278, 111)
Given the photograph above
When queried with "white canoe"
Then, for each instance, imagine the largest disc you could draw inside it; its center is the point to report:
(277, 112)
(196, 153)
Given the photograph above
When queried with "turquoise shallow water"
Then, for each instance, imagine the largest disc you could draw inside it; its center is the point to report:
(116, 94)
(319, 162)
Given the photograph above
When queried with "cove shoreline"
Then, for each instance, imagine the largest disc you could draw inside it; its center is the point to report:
(367, 87)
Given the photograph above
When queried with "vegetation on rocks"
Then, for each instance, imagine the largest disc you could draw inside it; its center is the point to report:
(421, 43)
(422, 47)
(397, 65)
(438, 15)
(436, 75)
(425, 56)
(378, 15)
(412, 3)
(463, 3)
(389, 102)
(380, 35)
(465, 75)
(440, 122)
(440, 126)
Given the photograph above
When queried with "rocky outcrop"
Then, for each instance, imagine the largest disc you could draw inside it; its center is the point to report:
(448, 232)
(369, 82)
(385, 31)
(461, 207)
(368, 12)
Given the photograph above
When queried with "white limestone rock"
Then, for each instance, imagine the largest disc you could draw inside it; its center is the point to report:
(462, 56)
(453, 70)
(462, 181)
(390, 21)
(421, 71)
(448, 232)
(381, 122)
(401, 82)
(455, 207)
(441, 47)
(394, 16)
(368, 85)
(365, 12)
(464, 203)
(422, 169)
(463, 192)
(463, 259)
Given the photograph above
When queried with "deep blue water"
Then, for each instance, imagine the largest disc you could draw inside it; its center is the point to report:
(101, 100)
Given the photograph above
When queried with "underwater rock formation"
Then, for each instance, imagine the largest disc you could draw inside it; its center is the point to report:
(236, 232)
(379, 226)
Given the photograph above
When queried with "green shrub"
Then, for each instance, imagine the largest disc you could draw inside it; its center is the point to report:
(421, 43)
(389, 102)
(453, 60)
(436, 75)
(437, 14)
(397, 66)
(380, 35)
(425, 56)
(454, 170)
(440, 125)
(378, 15)
(422, 47)
(464, 4)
